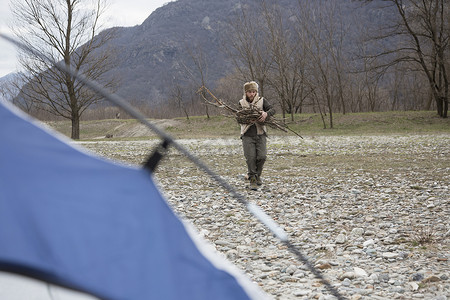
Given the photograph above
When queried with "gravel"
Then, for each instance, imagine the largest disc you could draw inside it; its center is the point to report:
(370, 212)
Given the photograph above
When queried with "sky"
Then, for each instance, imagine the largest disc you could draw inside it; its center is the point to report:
(120, 13)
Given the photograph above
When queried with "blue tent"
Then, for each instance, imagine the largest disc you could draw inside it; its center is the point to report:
(79, 221)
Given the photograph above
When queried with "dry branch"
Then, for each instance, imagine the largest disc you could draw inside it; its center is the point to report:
(245, 115)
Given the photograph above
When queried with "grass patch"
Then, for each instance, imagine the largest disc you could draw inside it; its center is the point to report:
(423, 235)
(307, 125)
(405, 122)
(203, 127)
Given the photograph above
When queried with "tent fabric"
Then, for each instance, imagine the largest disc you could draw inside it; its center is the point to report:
(73, 219)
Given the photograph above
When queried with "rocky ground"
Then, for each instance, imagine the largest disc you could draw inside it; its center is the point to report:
(370, 212)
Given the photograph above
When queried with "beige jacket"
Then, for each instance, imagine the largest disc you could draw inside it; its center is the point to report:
(260, 129)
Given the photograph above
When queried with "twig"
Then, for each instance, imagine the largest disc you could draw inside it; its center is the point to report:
(217, 102)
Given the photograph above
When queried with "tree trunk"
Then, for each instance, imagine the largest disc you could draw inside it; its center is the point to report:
(442, 106)
(207, 111)
(429, 101)
(331, 118)
(75, 127)
(445, 115)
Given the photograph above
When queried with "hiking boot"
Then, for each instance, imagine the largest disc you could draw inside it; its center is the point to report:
(258, 180)
(253, 185)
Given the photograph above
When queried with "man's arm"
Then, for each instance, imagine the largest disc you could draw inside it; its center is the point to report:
(268, 108)
(268, 111)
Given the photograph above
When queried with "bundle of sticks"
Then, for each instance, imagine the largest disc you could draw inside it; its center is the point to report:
(244, 115)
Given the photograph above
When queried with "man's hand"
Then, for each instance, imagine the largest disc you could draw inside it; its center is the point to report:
(262, 117)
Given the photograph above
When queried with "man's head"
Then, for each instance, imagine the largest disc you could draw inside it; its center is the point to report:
(251, 85)
(250, 90)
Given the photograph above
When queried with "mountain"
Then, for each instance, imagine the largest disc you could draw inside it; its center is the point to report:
(155, 54)
(8, 78)
(7, 90)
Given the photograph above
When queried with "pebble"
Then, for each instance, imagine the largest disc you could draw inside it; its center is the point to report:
(413, 286)
(357, 231)
(359, 272)
(356, 207)
(299, 293)
(341, 239)
(368, 243)
(390, 255)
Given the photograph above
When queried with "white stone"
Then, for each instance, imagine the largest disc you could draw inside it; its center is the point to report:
(374, 277)
(349, 275)
(390, 255)
(299, 293)
(412, 286)
(360, 272)
(357, 231)
(368, 243)
(341, 239)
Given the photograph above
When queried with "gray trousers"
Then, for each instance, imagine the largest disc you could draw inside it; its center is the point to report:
(255, 152)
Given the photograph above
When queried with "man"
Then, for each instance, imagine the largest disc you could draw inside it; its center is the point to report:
(254, 135)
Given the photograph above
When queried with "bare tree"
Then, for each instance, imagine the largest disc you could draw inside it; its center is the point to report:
(66, 32)
(423, 28)
(322, 32)
(287, 72)
(198, 72)
(245, 45)
(177, 97)
(229, 89)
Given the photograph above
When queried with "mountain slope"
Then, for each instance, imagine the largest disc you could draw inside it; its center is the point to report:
(153, 56)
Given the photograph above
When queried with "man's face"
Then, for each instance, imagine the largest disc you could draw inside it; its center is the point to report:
(251, 94)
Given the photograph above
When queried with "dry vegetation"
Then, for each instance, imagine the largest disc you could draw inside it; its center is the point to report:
(307, 125)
